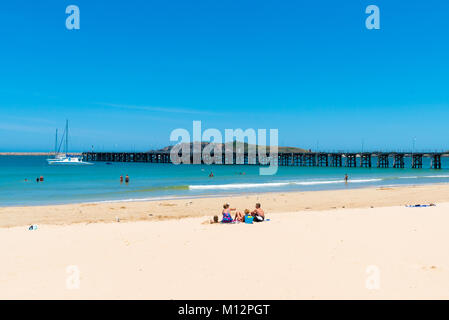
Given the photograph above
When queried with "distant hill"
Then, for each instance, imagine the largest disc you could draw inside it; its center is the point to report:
(245, 147)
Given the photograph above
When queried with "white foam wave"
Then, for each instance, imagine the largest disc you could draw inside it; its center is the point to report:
(365, 180)
(274, 184)
(238, 185)
(437, 176)
(418, 177)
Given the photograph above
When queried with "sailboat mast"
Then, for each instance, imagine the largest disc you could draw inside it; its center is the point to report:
(66, 136)
(56, 142)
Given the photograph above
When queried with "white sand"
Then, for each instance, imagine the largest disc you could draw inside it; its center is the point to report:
(306, 254)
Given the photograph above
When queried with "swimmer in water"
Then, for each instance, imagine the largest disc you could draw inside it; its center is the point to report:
(211, 175)
(121, 179)
(126, 179)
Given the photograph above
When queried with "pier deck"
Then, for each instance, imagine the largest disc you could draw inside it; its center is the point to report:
(306, 159)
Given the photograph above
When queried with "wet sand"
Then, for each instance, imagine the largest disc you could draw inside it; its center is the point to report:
(273, 203)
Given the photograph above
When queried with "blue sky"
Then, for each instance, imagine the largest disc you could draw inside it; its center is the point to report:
(138, 69)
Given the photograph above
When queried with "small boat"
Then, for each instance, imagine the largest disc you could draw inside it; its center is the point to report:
(64, 158)
(67, 159)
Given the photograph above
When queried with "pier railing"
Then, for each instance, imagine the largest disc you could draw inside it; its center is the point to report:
(306, 159)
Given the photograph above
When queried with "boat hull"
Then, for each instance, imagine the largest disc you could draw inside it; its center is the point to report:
(68, 161)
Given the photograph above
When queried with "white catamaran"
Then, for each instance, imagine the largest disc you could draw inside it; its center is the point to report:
(65, 158)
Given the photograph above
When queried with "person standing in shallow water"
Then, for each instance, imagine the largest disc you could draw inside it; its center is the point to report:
(121, 179)
(346, 178)
(126, 179)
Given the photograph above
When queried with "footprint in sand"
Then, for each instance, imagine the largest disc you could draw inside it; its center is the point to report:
(429, 268)
(168, 204)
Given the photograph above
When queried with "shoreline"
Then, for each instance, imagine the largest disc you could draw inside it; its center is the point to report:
(218, 196)
(189, 207)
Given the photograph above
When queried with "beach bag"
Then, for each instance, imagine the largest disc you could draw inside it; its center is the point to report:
(249, 219)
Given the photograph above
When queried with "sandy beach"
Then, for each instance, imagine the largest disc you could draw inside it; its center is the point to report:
(273, 203)
(347, 244)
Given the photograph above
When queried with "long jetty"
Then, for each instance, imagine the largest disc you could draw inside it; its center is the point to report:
(305, 159)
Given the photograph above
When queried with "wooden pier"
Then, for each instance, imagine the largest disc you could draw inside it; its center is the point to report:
(306, 159)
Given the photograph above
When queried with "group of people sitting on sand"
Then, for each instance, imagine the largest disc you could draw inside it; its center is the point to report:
(257, 214)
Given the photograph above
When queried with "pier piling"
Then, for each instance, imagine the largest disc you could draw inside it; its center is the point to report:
(383, 160)
(351, 160)
(336, 160)
(365, 160)
(435, 162)
(417, 161)
(323, 160)
(398, 161)
(304, 159)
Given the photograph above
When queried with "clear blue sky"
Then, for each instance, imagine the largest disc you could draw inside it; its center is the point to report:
(138, 69)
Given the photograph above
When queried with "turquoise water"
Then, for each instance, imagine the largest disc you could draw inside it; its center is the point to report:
(100, 182)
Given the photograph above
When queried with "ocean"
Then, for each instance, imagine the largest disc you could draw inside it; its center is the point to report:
(152, 181)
